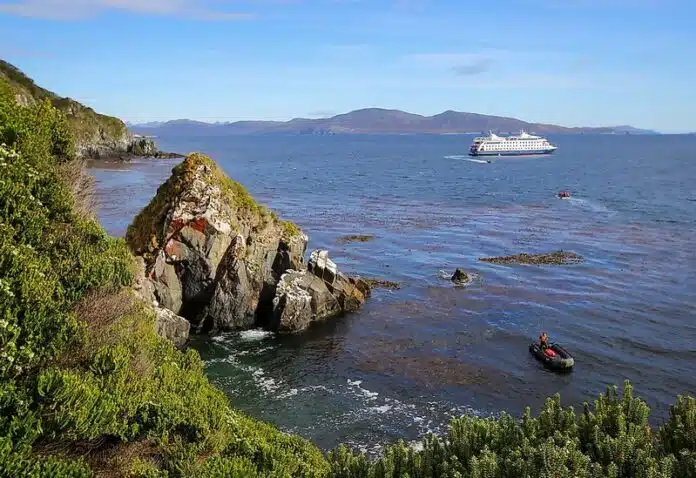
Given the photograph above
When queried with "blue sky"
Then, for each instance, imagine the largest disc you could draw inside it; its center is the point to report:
(571, 62)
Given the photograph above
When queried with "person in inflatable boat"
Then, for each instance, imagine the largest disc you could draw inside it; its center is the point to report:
(544, 345)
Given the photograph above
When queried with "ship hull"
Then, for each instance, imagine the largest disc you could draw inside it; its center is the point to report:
(535, 152)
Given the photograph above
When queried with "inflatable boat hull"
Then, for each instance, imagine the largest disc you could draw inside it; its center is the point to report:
(562, 361)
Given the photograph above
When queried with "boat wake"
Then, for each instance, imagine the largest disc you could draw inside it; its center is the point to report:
(589, 205)
(466, 158)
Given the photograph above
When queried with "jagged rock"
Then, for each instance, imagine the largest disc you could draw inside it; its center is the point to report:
(172, 327)
(211, 253)
(142, 147)
(146, 147)
(168, 324)
(460, 277)
(320, 292)
(141, 284)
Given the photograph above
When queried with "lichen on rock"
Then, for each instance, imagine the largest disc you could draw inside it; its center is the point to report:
(215, 256)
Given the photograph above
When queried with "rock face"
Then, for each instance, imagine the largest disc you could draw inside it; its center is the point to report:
(147, 148)
(143, 146)
(124, 146)
(172, 327)
(100, 143)
(168, 325)
(321, 291)
(215, 256)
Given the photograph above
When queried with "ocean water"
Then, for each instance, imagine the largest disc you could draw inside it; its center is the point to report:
(414, 357)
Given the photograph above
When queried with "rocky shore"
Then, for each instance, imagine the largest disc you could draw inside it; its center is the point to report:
(214, 256)
(124, 147)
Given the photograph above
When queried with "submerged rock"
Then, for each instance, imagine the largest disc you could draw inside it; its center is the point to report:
(355, 238)
(321, 291)
(212, 254)
(556, 257)
(382, 284)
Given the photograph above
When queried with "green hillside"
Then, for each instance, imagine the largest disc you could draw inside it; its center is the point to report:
(95, 134)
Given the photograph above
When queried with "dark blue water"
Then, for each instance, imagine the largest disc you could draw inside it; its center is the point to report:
(416, 356)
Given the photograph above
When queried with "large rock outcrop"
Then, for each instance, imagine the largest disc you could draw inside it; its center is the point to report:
(212, 254)
(321, 291)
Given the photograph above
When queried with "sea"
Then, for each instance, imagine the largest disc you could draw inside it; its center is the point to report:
(415, 357)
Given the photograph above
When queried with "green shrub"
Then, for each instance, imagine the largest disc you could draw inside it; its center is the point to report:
(610, 439)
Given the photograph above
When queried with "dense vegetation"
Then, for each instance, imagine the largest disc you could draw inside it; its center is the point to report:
(87, 387)
(611, 439)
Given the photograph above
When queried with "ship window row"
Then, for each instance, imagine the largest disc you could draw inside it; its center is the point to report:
(510, 146)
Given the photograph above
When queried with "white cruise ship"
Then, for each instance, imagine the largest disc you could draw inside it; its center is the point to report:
(519, 145)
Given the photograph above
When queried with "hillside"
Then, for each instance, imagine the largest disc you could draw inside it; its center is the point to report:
(96, 135)
(375, 121)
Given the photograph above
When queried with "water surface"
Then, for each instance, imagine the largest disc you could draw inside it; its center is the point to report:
(416, 356)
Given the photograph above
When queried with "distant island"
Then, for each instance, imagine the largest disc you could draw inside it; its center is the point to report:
(375, 121)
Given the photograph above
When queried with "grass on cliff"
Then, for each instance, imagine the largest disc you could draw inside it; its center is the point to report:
(145, 233)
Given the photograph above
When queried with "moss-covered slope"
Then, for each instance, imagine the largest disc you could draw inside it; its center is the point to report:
(95, 135)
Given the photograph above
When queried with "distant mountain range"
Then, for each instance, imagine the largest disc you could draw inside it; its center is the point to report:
(374, 121)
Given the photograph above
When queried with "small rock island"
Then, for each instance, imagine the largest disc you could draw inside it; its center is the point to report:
(210, 253)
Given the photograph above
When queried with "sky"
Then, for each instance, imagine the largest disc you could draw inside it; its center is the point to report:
(569, 62)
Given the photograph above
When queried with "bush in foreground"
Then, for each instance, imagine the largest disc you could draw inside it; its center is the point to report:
(610, 439)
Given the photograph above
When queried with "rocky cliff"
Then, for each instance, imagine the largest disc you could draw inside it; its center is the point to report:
(96, 135)
(215, 256)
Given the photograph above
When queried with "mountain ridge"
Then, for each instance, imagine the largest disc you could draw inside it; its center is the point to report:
(377, 121)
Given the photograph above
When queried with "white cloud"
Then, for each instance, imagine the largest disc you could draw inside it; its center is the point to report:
(80, 9)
